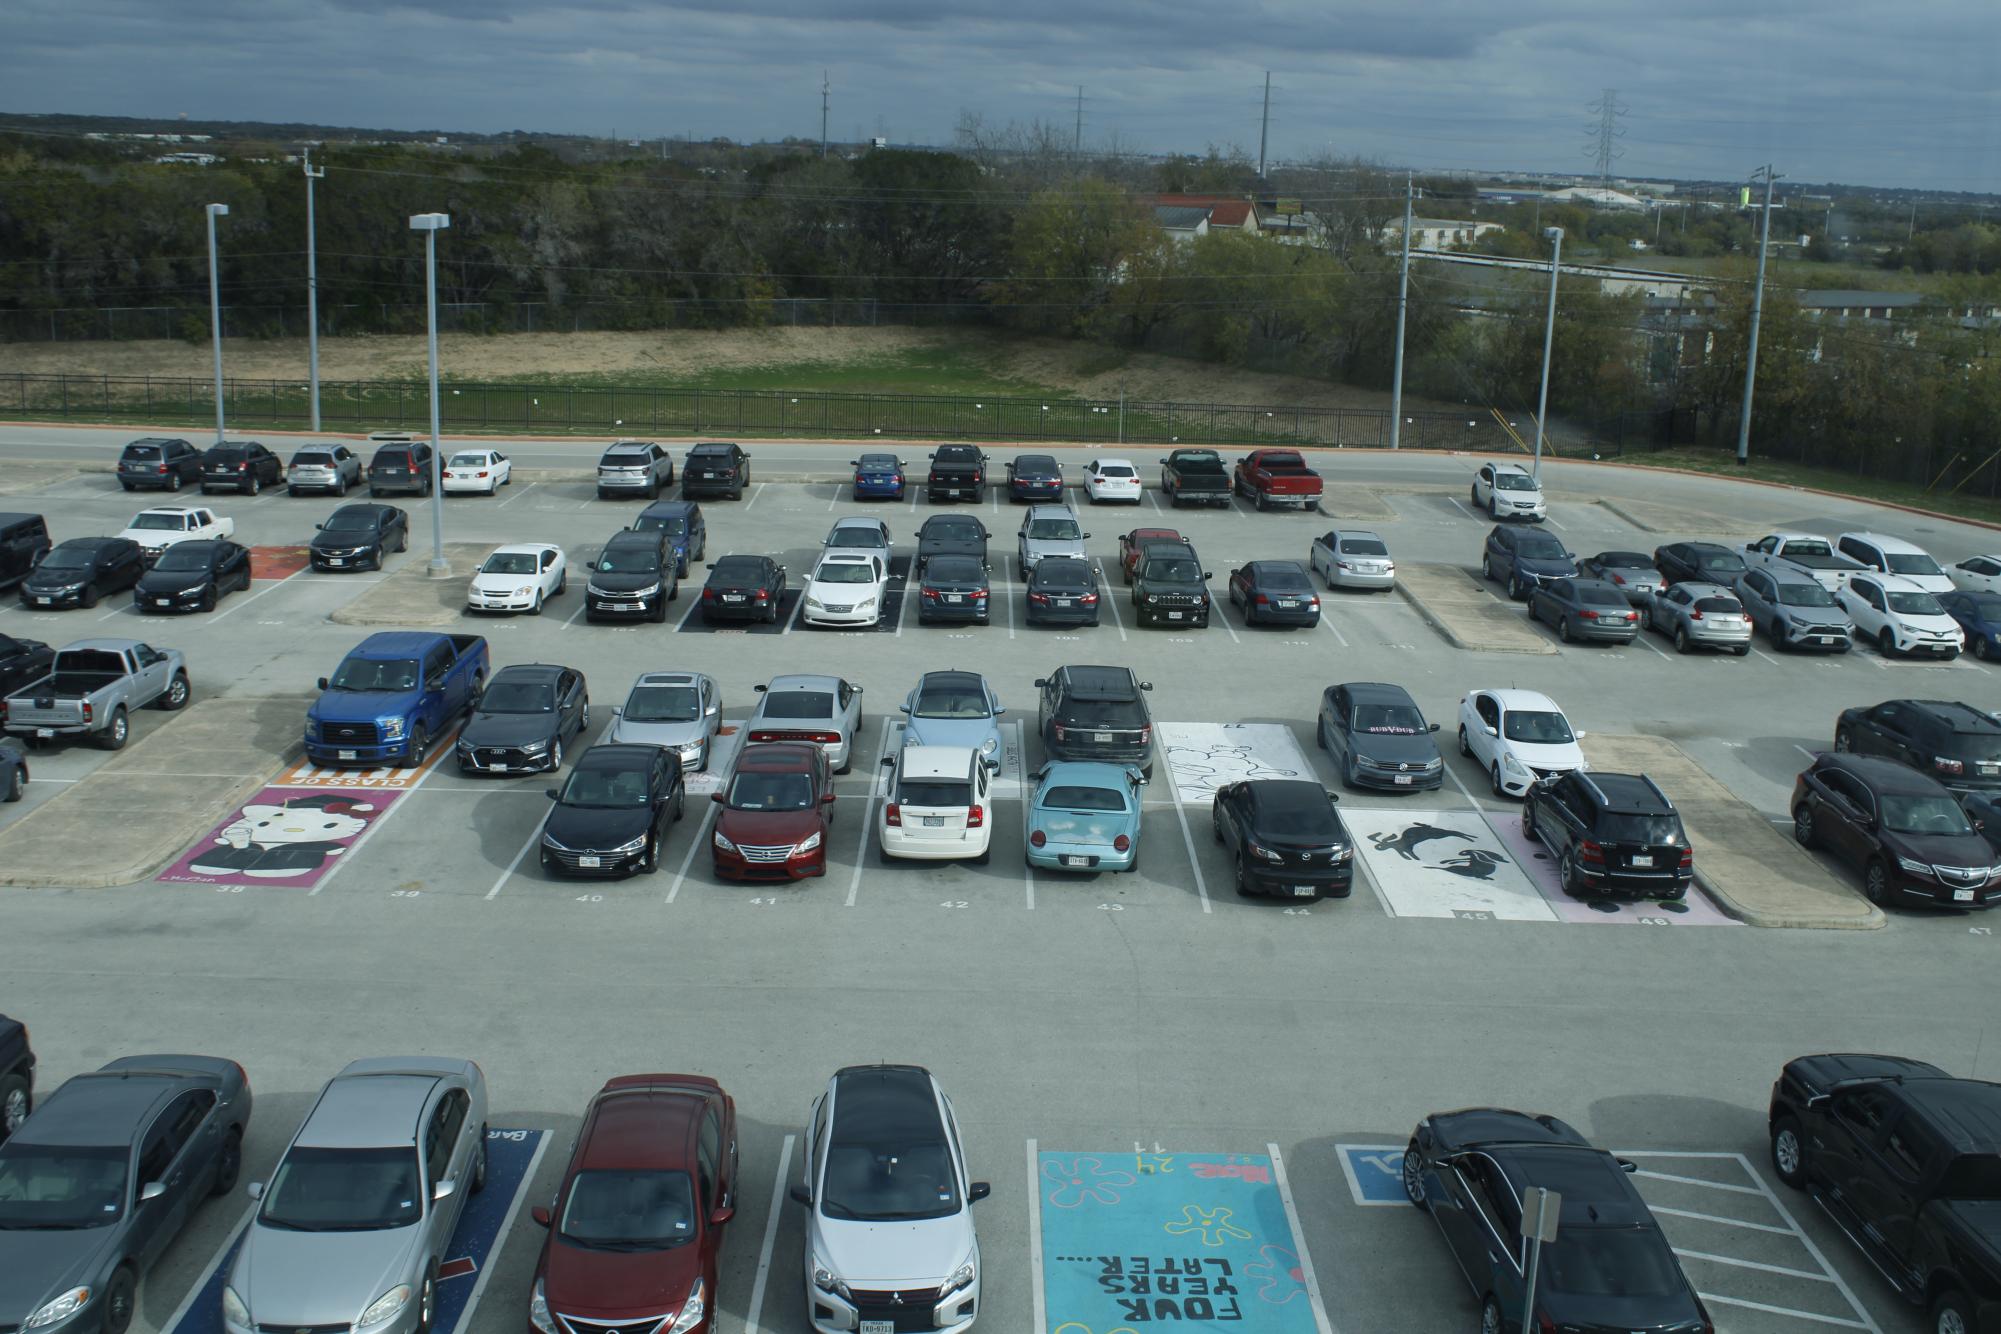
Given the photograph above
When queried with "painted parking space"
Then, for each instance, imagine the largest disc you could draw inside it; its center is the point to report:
(289, 836)
(511, 1159)
(1374, 1173)
(1207, 1241)
(1693, 909)
(387, 778)
(1203, 757)
(278, 562)
(1443, 864)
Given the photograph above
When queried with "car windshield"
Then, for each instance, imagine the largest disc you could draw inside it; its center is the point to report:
(468, 461)
(1539, 727)
(1610, 1262)
(953, 701)
(374, 674)
(934, 792)
(1386, 719)
(182, 558)
(845, 572)
(1912, 562)
(1805, 595)
(518, 697)
(1363, 546)
(952, 530)
(605, 788)
(159, 523)
(1054, 530)
(663, 704)
(755, 790)
(1175, 571)
(857, 535)
(654, 523)
(1914, 604)
(1908, 813)
(68, 558)
(1512, 481)
(350, 521)
(876, 1176)
(509, 562)
(60, 1185)
(1537, 546)
(1072, 797)
(629, 1210)
(798, 704)
(344, 1190)
(628, 560)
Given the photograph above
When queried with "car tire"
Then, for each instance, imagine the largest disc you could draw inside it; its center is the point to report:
(177, 694)
(650, 861)
(536, 608)
(1981, 650)
(292, 491)
(659, 613)
(556, 755)
(256, 484)
(403, 539)
(1464, 749)
(1528, 819)
(1566, 875)
(116, 732)
(1515, 589)
(127, 485)
(1320, 734)
(1491, 1319)
(1803, 830)
(1952, 1313)
(983, 856)
(1487, 568)
(1243, 877)
(1886, 643)
(1844, 738)
(177, 483)
(1789, 1152)
(1876, 881)
(89, 596)
(1494, 777)
(420, 744)
(427, 1303)
(1563, 631)
(229, 1166)
(1681, 644)
(882, 854)
(121, 1296)
(207, 602)
(479, 1165)
(1740, 650)
(17, 788)
(1781, 639)
(563, 583)
(1412, 1176)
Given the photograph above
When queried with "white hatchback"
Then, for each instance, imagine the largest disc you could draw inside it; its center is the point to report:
(845, 588)
(479, 471)
(1899, 617)
(939, 808)
(1112, 479)
(519, 577)
(1519, 737)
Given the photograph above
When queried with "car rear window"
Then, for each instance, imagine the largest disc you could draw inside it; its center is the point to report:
(1121, 470)
(304, 459)
(738, 569)
(1363, 546)
(227, 454)
(1624, 560)
(1108, 714)
(1070, 797)
(1631, 827)
(1600, 597)
(1719, 605)
(799, 704)
(952, 570)
(142, 451)
(1283, 580)
(934, 792)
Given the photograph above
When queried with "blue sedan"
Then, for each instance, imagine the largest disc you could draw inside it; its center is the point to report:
(878, 477)
(1979, 614)
(1085, 817)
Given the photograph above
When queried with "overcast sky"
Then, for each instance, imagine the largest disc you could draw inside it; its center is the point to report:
(1843, 90)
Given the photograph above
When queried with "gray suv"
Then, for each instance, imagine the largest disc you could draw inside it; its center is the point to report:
(1050, 530)
(635, 467)
(1700, 616)
(1795, 611)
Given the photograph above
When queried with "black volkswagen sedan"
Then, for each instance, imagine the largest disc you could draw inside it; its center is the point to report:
(78, 572)
(612, 815)
(193, 576)
(743, 588)
(1379, 738)
(1063, 591)
(1284, 839)
(954, 588)
(358, 536)
(1275, 592)
(1610, 1269)
(522, 719)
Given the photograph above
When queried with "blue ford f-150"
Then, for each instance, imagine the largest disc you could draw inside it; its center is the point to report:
(394, 695)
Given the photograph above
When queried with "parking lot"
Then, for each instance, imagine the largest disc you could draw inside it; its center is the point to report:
(1145, 1015)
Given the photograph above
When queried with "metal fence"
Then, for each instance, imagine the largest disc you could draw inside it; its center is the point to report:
(364, 405)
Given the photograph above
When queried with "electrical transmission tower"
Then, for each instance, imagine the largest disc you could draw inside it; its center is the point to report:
(1602, 146)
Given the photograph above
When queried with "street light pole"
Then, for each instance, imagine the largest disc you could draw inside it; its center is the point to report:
(312, 290)
(430, 224)
(1757, 314)
(1555, 234)
(1403, 300)
(215, 310)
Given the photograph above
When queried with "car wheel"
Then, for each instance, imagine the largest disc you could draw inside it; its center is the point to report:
(1952, 1313)
(176, 483)
(1563, 630)
(479, 1165)
(1215, 824)
(178, 691)
(1515, 589)
(120, 1297)
(427, 1304)
(117, 732)
(1981, 649)
(1566, 875)
(403, 539)
(1789, 1152)
(1464, 749)
(17, 788)
(1886, 643)
(1781, 637)
(292, 491)
(563, 583)
(1681, 639)
(1487, 568)
(1528, 818)
(1413, 1177)
(983, 856)
(256, 484)
(420, 743)
(882, 855)
(1320, 735)
(1876, 882)
(230, 1164)
(1803, 833)
(340, 485)
(659, 613)
(89, 597)
(127, 485)
(1490, 1315)
(1243, 877)
(207, 602)
(536, 609)
(1494, 776)
(1844, 738)
(556, 755)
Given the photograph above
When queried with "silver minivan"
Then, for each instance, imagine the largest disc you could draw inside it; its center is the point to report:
(1049, 530)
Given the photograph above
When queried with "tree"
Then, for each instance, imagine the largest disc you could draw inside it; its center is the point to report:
(1067, 251)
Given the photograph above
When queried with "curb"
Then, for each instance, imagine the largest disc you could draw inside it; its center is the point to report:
(1432, 619)
(1873, 920)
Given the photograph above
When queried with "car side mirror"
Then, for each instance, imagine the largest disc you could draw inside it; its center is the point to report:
(978, 1191)
(889, 761)
(903, 708)
(710, 712)
(1627, 1165)
(1491, 731)
(1434, 727)
(318, 526)
(802, 1195)
(1206, 576)
(716, 797)
(255, 1190)
(1146, 685)
(1333, 796)
(445, 1189)
(543, 1218)
(999, 709)
(323, 683)
(1580, 734)
(1087, 536)
(722, 1216)
(1041, 682)
(827, 799)
(854, 463)
(152, 1190)
(550, 793)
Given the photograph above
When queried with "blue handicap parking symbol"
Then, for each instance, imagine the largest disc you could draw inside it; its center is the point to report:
(511, 1157)
(1374, 1172)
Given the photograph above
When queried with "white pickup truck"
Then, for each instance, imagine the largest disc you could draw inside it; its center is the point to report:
(163, 526)
(1801, 554)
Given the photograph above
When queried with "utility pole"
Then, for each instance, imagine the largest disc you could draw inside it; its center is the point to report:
(215, 211)
(312, 291)
(1403, 298)
(825, 88)
(1911, 232)
(1757, 313)
(1264, 126)
(1077, 142)
(1604, 146)
(1555, 234)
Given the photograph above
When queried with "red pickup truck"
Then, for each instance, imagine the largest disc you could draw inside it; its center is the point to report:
(1271, 477)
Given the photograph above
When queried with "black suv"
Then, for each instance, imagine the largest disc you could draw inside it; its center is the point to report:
(1907, 1160)
(159, 464)
(24, 540)
(1953, 742)
(1523, 559)
(1910, 837)
(958, 472)
(715, 469)
(240, 465)
(635, 467)
(400, 464)
(1699, 563)
(635, 575)
(17, 1076)
(1610, 833)
(1096, 713)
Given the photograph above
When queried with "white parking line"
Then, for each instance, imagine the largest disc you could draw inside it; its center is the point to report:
(1021, 777)
(1221, 611)
(834, 499)
(696, 844)
(1328, 621)
(868, 814)
(505, 876)
(368, 833)
(1306, 1274)
(1010, 598)
(1646, 637)
(1035, 1239)
(517, 495)
(1110, 599)
(1759, 1265)
(506, 1229)
(236, 1230)
(243, 602)
(755, 492)
(1150, 500)
(1188, 841)
(1548, 519)
(1787, 1310)
(1720, 1220)
(1461, 508)
(756, 1311)
(1698, 1181)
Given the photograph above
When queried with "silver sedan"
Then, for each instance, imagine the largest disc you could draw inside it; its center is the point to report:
(680, 712)
(1700, 615)
(825, 711)
(1353, 558)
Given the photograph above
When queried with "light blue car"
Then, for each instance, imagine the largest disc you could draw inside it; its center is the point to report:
(1085, 816)
(955, 709)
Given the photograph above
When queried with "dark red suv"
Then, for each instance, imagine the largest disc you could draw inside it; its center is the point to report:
(776, 808)
(637, 1226)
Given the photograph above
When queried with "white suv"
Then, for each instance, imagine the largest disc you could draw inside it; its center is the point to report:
(1895, 556)
(889, 1224)
(1506, 491)
(1898, 616)
(939, 808)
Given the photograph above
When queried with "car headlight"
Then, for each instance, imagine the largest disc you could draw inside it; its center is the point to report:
(192, 589)
(814, 603)
(536, 746)
(387, 1305)
(647, 591)
(990, 745)
(826, 1280)
(233, 1309)
(723, 843)
(691, 748)
(1508, 761)
(962, 1277)
(633, 845)
(1916, 868)
(312, 729)
(538, 1309)
(806, 844)
(1260, 851)
(392, 728)
(524, 591)
(550, 842)
(1152, 598)
(692, 1310)
(868, 605)
(62, 1308)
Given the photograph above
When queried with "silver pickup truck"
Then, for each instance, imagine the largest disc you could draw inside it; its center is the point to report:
(93, 688)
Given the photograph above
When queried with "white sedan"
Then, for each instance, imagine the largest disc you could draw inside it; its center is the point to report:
(519, 578)
(846, 588)
(1519, 737)
(1112, 479)
(479, 471)
(1977, 574)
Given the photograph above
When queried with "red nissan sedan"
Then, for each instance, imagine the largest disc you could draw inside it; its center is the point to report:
(776, 807)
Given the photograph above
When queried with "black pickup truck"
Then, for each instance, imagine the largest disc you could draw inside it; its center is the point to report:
(1195, 477)
(958, 472)
(1907, 1160)
(17, 1076)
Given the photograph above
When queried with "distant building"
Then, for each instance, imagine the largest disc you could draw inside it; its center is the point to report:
(1438, 233)
(1224, 212)
(1843, 303)
(1597, 196)
(1182, 222)
(188, 159)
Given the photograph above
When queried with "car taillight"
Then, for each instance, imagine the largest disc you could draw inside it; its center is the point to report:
(1687, 858)
(761, 595)
(1121, 843)
(898, 479)
(976, 817)
(1146, 734)
(979, 595)
(708, 595)
(928, 594)
(1314, 603)
(480, 473)
(1037, 839)
(763, 736)
(1746, 618)
(163, 467)
(88, 710)
(1089, 599)
(1038, 597)
(1588, 614)
(1060, 730)
(1695, 616)
(827, 738)
(1948, 766)
(892, 815)
(243, 467)
(1619, 579)
(1590, 852)
(1263, 600)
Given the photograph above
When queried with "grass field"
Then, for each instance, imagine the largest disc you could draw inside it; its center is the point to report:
(1723, 463)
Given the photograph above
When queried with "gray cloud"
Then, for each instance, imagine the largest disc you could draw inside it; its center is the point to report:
(1831, 89)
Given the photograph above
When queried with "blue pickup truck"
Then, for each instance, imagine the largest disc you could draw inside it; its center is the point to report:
(393, 696)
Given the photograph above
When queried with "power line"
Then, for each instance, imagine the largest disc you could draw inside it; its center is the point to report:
(1608, 134)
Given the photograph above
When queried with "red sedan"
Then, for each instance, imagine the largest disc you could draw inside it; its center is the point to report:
(637, 1226)
(775, 811)
(1134, 544)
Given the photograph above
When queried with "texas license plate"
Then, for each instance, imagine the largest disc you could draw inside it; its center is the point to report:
(336, 560)
(43, 602)
(1403, 780)
(732, 597)
(1174, 615)
(1062, 602)
(955, 597)
(878, 1327)
(1288, 606)
(1102, 738)
(1303, 891)
(1643, 863)
(45, 732)
(1069, 860)
(934, 822)
(345, 754)
(1829, 640)
(163, 602)
(1962, 896)
(588, 863)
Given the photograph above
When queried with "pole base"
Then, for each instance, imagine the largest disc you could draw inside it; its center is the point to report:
(440, 568)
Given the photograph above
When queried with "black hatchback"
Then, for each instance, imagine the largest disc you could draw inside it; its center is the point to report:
(954, 588)
(612, 815)
(1610, 834)
(1911, 839)
(193, 576)
(240, 465)
(78, 572)
(1063, 591)
(358, 536)
(1284, 839)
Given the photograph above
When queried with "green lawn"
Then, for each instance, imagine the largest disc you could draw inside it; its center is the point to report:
(1723, 463)
(951, 371)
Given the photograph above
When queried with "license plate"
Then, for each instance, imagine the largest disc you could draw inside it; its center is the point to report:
(163, 602)
(1288, 606)
(336, 560)
(45, 732)
(345, 754)
(1643, 862)
(955, 597)
(1174, 615)
(1829, 640)
(498, 768)
(588, 863)
(1069, 860)
(934, 822)
(1103, 738)
(1962, 896)
(1062, 602)
(878, 1327)
(732, 597)
(1303, 891)
(44, 601)
(1403, 780)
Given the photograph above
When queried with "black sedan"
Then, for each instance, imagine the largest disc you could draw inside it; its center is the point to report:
(1907, 834)
(1699, 563)
(193, 576)
(1275, 592)
(1063, 591)
(954, 588)
(1034, 477)
(743, 588)
(240, 465)
(358, 536)
(1379, 738)
(612, 815)
(1284, 839)
(951, 535)
(522, 719)
(1610, 1269)
(78, 572)
(102, 1177)
(1595, 610)
(22, 661)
